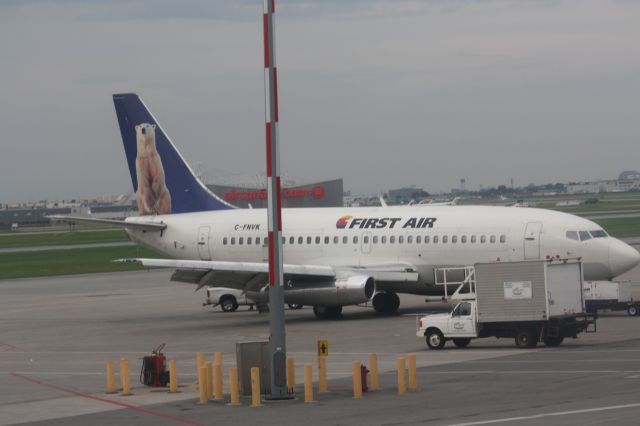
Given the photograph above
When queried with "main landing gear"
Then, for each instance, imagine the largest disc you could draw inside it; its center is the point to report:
(327, 312)
(386, 303)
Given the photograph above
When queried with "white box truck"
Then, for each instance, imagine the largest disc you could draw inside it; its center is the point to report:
(609, 295)
(530, 301)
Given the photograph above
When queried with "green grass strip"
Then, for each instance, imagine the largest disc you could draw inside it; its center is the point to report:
(70, 261)
(621, 227)
(61, 238)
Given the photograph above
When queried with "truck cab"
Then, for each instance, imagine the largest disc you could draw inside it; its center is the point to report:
(459, 325)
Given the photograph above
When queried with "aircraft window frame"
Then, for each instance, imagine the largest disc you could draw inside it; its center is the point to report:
(463, 239)
(240, 241)
(317, 240)
(492, 239)
(327, 240)
(266, 241)
(584, 235)
(400, 239)
(435, 239)
(418, 239)
(392, 239)
(473, 239)
(483, 239)
(336, 239)
(445, 239)
(300, 239)
(375, 239)
(365, 239)
(225, 240)
(410, 239)
(503, 238)
(427, 239)
(355, 239)
(292, 240)
(250, 240)
(383, 239)
(345, 239)
(454, 239)
(233, 241)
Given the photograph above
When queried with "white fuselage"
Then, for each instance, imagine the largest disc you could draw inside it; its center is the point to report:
(423, 236)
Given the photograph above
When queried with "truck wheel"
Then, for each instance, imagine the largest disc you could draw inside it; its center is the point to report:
(632, 310)
(553, 341)
(526, 339)
(435, 339)
(228, 303)
(461, 343)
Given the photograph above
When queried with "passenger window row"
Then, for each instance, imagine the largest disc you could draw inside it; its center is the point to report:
(392, 239)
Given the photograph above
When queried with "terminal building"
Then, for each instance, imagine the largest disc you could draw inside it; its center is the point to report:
(319, 194)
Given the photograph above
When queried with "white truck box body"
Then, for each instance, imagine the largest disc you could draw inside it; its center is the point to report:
(527, 291)
(607, 290)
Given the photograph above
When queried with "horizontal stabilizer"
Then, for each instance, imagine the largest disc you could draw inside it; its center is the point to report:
(146, 226)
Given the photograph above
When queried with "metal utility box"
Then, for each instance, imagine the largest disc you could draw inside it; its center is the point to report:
(528, 291)
(249, 355)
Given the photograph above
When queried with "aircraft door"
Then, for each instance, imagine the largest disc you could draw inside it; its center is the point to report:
(366, 243)
(532, 240)
(203, 243)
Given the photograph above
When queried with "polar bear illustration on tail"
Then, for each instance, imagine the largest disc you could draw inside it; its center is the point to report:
(152, 196)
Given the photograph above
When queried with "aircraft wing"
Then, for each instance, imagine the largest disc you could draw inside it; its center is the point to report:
(147, 226)
(253, 275)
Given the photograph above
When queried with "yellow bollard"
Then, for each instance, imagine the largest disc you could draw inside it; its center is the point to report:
(308, 383)
(125, 380)
(255, 387)
(217, 384)
(357, 380)
(233, 384)
(373, 365)
(209, 379)
(291, 374)
(217, 358)
(111, 378)
(202, 384)
(173, 377)
(411, 360)
(322, 374)
(402, 385)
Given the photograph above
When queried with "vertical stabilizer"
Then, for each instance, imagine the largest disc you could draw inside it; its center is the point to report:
(163, 182)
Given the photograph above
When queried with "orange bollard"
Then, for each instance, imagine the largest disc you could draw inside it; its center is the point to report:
(357, 380)
(173, 377)
(322, 375)
(111, 378)
(217, 382)
(217, 358)
(233, 384)
(308, 383)
(411, 360)
(255, 387)
(373, 364)
(202, 384)
(291, 374)
(125, 377)
(209, 379)
(402, 385)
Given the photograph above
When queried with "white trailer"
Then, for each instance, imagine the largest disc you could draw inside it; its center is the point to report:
(611, 295)
(530, 301)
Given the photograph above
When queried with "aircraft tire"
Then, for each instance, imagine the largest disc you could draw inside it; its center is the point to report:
(228, 303)
(327, 312)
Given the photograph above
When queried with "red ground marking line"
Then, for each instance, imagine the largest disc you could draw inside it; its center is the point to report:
(108, 401)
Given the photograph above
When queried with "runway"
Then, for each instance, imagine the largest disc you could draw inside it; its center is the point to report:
(57, 333)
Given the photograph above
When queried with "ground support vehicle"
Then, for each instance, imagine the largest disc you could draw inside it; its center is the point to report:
(529, 301)
(228, 298)
(609, 295)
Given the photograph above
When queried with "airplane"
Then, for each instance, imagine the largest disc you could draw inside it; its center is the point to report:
(332, 256)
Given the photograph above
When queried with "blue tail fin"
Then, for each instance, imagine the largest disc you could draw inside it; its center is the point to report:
(162, 180)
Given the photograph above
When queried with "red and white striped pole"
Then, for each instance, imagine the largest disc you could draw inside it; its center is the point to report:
(274, 207)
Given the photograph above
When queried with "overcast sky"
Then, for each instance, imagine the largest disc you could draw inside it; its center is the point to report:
(382, 93)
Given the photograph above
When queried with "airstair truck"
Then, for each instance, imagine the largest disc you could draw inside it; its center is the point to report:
(529, 301)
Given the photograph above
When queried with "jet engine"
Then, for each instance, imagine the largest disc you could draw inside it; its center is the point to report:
(349, 290)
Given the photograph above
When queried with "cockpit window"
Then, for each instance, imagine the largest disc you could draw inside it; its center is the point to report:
(584, 236)
(599, 234)
(573, 235)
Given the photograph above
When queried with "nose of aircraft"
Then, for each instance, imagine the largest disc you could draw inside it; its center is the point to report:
(622, 257)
